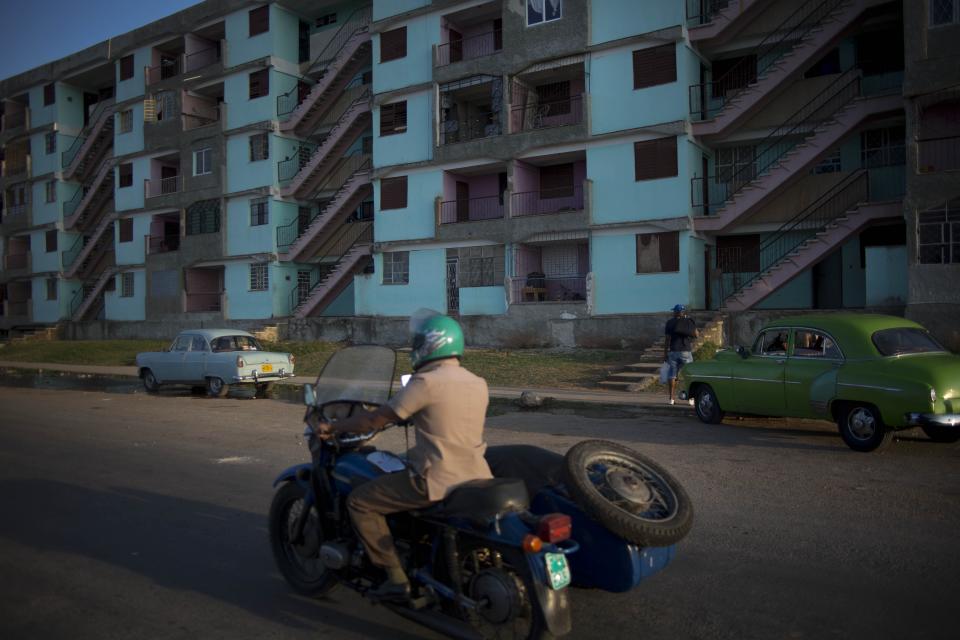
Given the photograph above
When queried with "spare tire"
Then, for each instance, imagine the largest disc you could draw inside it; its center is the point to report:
(630, 494)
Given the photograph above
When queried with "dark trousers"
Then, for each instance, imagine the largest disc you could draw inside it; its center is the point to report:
(372, 501)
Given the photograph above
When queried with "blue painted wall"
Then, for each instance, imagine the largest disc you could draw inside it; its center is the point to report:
(615, 19)
(132, 252)
(241, 110)
(131, 197)
(240, 46)
(124, 143)
(417, 66)
(482, 301)
(886, 277)
(796, 294)
(243, 174)
(242, 238)
(69, 107)
(413, 146)
(39, 114)
(132, 308)
(242, 303)
(41, 260)
(342, 305)
(42, 162)
(43, 211)
(134, 86)
(425, 289)
(418, 219)
(854, 290)
(386, 8)
(49, 310)
(285, 28)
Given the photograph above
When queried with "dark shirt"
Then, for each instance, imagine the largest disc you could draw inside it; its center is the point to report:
(681, 332)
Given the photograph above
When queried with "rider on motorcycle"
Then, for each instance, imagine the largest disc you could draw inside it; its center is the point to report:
(447, 404)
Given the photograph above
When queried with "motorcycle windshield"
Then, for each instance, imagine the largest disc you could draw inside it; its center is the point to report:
(362, 374)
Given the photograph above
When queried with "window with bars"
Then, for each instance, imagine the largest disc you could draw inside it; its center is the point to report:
(125, 172)
(330, 18)
(393, 44)
(259, 147)
(52, 288)
(944, 12)
(882, 147)
(393, 193)
(938, 234)
(126, 121)
(126, 285)
(49, 94)
(125, 230)
(51, 189)
(259, 211)
(126, 67)
(259, 20)
(655, 159)
(50, 142)
(396, 267)
(165, 105)
(259, 278)
(541, 11)
(658, 252)
(830, 164)
(203, 161)
(393, 118)
(736, 163)
(479, 266)
(654, 65)
(203, 217)
(50, 238)
(259, 84)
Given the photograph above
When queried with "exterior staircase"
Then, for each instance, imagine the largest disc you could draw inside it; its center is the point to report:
(349, 252)
(346, 53)
(34, 334)
(91, 145)
(709, 19)
(646, 372)
(87, 248)
(809, 32)
(90, 296)
(788, 152)
(90, 198)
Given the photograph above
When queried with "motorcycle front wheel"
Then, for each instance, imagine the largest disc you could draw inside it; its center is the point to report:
(298, 557)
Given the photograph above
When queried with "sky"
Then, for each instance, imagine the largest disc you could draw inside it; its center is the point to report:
(34, 32)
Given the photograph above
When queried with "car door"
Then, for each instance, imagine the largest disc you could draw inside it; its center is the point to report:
(168, 367)
(758, 379)
(195, 360)
(811, 375)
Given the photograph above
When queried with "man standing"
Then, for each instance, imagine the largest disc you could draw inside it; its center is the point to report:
(680, 333)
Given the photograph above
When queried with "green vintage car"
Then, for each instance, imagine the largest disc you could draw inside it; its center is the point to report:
(871, 374)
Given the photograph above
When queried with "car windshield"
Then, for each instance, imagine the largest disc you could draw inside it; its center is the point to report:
(235, 343)
(894, 342)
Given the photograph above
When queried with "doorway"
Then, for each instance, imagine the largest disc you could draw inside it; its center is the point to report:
(453, 285)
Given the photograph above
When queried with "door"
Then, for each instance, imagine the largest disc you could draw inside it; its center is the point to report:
(303, 286)
(705, 184)
(463, 201)
(758, 380)
(89, 99)
(456, 46)
(497, 34)
(304, 42)
(453, 285)
(195, 360)
(828, 282)
(166, 366)
(811, 375)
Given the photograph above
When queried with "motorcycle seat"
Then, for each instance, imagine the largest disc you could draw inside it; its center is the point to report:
(482, 500)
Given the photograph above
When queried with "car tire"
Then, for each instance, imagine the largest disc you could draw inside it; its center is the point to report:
(217, 388)
(941, 434)
(150, 383)
(263, 389)
(707, 406)
(862, 428)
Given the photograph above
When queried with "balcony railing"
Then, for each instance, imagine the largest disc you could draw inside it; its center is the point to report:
(13, 120)
(170, 68)
(18, 309)
(938, 154)
(16, 209)
(472, 209)
(163, 244)
(16, 261)
(553, 200)
(485, 125)
(197, 120)
(162, 187)
(551, 113)
(538, 288)
(204, 302)
(201, 59)
(477, 46)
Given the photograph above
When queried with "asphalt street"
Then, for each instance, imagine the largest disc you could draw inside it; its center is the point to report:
(124, 515)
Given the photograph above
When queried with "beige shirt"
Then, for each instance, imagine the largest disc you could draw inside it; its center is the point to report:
(448, 405)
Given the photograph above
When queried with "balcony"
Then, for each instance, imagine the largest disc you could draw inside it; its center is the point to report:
(203, 106)
(551, 271)
(16, 162)
(470, 109)
(15, 261)
(544, 201)
(935, 155)
(15, 116)
(471, 209)
(165, 177)
(204, 118)
(548, 95)
(164, 234)
(162, 187)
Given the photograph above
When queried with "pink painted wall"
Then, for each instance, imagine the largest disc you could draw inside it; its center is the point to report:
(525, 177)
(480, 186)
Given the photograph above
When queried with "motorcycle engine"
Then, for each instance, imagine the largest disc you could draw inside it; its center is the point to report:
(335, 555)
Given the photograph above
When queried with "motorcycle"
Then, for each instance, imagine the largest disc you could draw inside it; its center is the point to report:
(488, 561)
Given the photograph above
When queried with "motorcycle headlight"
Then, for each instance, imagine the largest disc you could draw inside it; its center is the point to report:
(933, 395)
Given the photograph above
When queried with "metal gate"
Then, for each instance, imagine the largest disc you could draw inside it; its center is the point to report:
(453, 285)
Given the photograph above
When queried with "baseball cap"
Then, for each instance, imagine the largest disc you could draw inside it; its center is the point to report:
(679, 307)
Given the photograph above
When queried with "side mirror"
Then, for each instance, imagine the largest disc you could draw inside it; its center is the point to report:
(309, 395)
(743, 352)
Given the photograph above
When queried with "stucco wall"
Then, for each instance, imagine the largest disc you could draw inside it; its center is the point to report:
(417, 219)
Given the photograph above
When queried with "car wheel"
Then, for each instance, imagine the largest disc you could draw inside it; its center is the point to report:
(941, 434)
(263, 389)
(217, 388)
(707, 405)
(150, 381)
(862, 428)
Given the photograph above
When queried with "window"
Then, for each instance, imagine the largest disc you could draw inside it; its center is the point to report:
(738, 254)
(126, 121)
(199, 344)
(235, 343)
(736, 164)
(165, 106)
(50, 142)
(540, 11)
(393, 118)
(829, 164)
(772, 343)
(203, 217)
(393, 44)
(259, 147)
(655, 65)
(556, 181)
(203, 161)
(126, 67)
(51, 240)
(259, 211)
(126, 285)
(330, 18)
(658, 252)
(393, 193)
(51, 188)
(125, 229)
(259, 84)
(182, 343)
(259, 20)
(655, 159)
(812, 344)
(396, 267)
(944, 12)
(259, 280)
(894, 342)
(938, 234)
(51, 288)
(882, 147)
(125, 175)
(49, 94)
(479, 266)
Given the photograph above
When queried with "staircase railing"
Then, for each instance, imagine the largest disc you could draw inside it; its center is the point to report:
(348, 236)
(68, 156)
(769, 151)
(290, 166)
(816, 217)
(708, 99)
(70, 206)
(70, 255)
(702, 11)
(288, 234)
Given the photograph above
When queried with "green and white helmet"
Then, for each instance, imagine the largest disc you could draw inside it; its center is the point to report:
(434, 336)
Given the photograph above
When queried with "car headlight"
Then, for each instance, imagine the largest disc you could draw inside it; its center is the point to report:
(933, 395)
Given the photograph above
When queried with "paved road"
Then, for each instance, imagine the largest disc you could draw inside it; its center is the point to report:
(130, 516)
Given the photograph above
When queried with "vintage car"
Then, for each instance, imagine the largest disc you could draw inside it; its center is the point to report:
(217, 359)
(871, 374)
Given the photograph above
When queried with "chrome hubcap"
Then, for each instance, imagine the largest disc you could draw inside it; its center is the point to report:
(861, 423)
(706, 404)
(629, 486)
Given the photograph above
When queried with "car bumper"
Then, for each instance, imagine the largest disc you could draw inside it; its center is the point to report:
(256, 376)
(936, 419)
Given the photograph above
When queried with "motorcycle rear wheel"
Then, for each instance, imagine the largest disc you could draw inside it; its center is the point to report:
(298, 562)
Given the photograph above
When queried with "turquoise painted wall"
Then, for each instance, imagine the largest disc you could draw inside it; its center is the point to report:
(243, 174)
(696, 266)
(886, 277)
(796, 294)
(342, 305)
(286, 278)
(43, 211)
(854, 291)
(418, 219)
(240, 46)
(39, 114)
(241, 110)
(131, 197)
(417, 65)
(615, 19)
(242, 238)
(132, 142)
(243, 304)
(618, 197)
(41, 260)
(482, 301)
(49, 310)
(69, 107)
(615, 105)
(132, 308)
(413, 146)
(285, 29)
(132, 252)
(134, 86)
(386, 8)
(425, 289)
(42, 162)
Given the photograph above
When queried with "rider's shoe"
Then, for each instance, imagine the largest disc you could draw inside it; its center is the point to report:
(390, 591)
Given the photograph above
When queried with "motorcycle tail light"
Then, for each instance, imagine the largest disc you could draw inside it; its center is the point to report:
(532, 544)
(240, 362)
(554, 527)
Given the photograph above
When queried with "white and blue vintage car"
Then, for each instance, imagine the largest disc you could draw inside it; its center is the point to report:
(217, 359)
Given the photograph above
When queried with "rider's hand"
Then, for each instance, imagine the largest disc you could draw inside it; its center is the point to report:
(324, 430)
